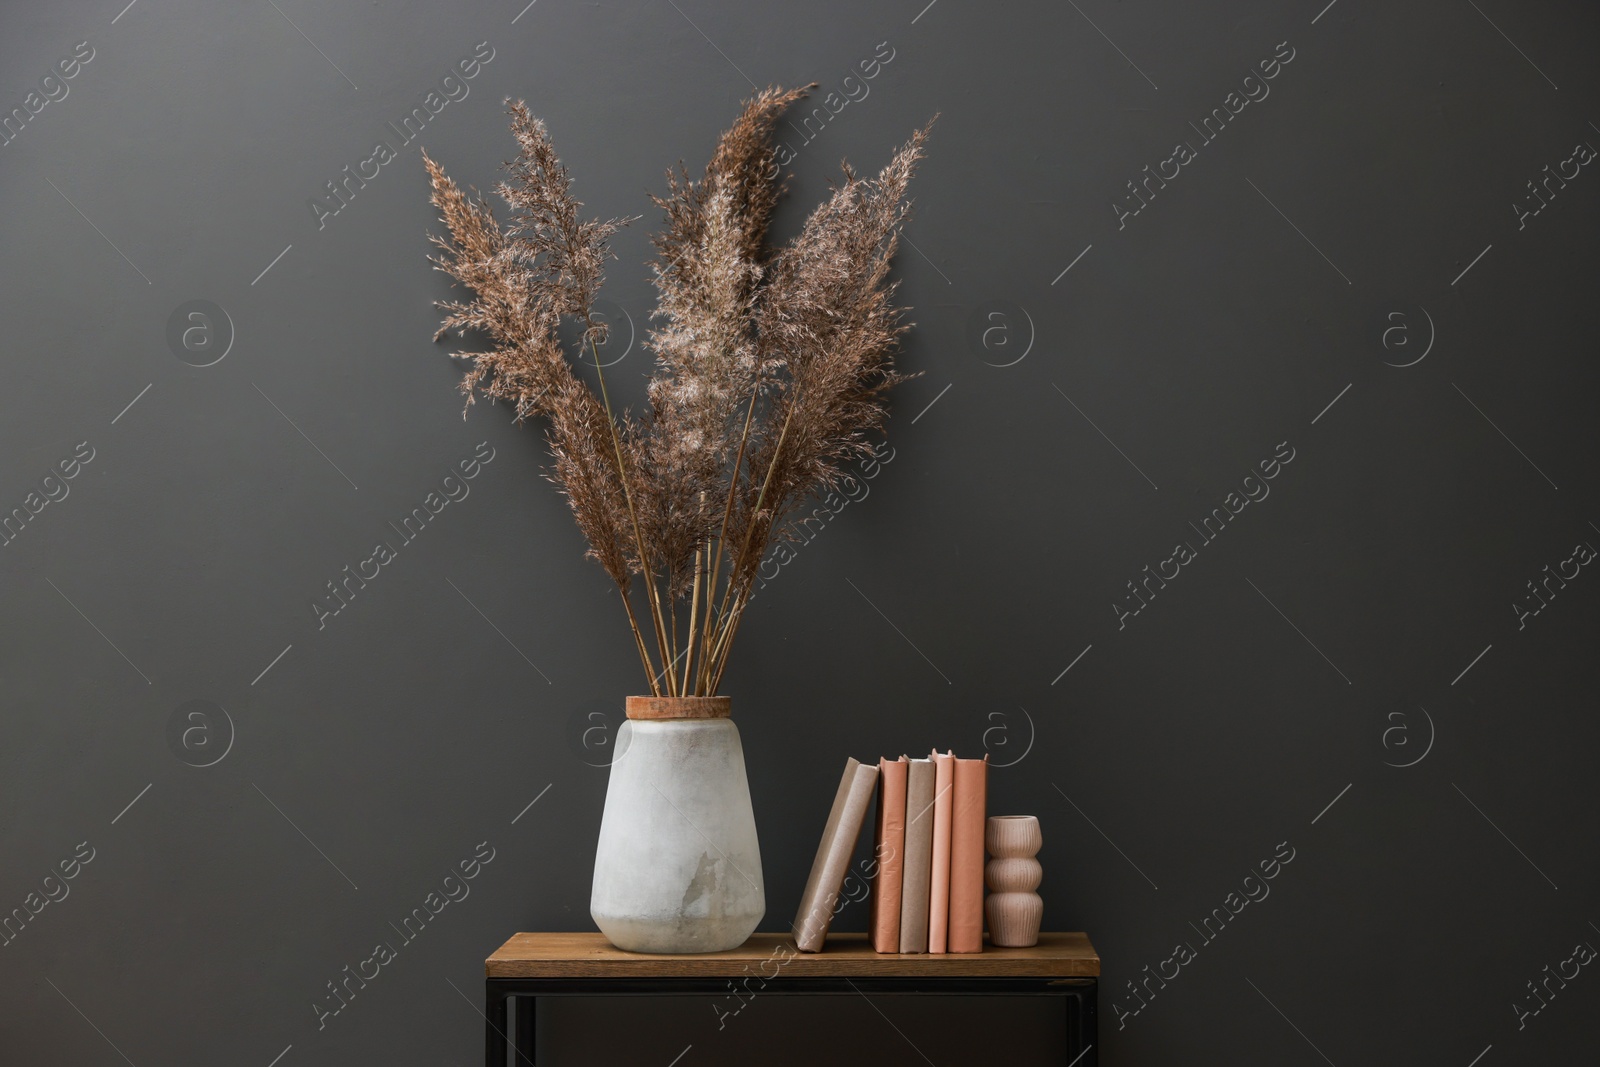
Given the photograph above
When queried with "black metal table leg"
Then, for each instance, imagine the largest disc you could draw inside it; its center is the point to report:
(494, 1034)
(1091, 1024)
(1078, 1004)
(1082, 1027)
(526, 1008)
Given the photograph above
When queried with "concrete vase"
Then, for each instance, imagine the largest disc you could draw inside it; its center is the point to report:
(678, 868)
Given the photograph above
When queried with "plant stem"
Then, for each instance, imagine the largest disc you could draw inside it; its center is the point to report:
(638, 537)
(672, 628)
(727, 645)
(725, 623)
(694, 608)
(727, 513)
(638, 639)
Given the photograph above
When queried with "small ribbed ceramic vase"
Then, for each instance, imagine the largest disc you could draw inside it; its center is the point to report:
(1013, 909)
(677, 867)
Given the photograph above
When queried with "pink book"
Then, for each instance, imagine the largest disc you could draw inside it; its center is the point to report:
(966, 854)
(889, 851)
(939, 875)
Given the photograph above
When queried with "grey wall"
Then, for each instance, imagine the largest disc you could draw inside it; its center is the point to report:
(1341, 275)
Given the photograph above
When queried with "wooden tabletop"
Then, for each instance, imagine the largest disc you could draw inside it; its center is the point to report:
(589, 955)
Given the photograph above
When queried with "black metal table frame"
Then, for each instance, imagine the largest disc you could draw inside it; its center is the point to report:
(1078, 997)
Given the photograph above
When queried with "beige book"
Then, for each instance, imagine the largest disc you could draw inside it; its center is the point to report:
(838, 844)
(916, 881)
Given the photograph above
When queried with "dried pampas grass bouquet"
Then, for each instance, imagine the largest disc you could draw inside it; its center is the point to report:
(771, 366)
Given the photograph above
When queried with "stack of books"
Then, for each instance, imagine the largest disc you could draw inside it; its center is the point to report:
(927, 864)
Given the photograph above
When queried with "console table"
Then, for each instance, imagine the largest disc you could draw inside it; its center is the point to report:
(529, 966)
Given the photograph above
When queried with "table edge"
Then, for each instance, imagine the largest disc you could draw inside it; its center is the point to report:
(851, 962)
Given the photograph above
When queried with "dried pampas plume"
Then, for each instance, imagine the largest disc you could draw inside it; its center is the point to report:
(771, 367)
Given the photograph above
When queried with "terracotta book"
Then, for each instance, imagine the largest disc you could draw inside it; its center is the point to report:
(914, 884)
(889, 850)
(939, 857)
(833, 855)
(966, 854)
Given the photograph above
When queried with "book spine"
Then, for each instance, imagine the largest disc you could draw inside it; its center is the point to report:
(875, 872)
(838, 844)
(966, 855)
(919, 847)
(939, 859)
(889, 855)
